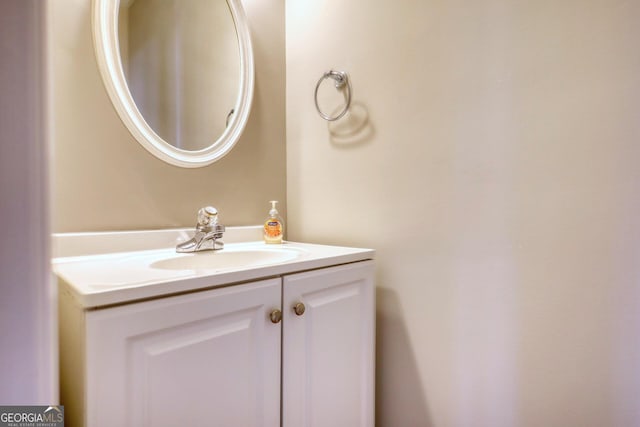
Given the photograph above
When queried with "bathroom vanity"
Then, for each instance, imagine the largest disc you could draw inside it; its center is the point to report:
(252, 335)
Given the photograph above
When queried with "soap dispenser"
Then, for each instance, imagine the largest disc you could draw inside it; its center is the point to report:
(273, 226)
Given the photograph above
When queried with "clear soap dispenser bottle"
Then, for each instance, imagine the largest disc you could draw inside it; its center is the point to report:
(273, 226)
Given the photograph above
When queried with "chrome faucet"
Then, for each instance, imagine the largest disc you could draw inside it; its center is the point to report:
(208, 233)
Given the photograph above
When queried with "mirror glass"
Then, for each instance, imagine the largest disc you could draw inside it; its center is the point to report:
(178, 72)
(182, 64)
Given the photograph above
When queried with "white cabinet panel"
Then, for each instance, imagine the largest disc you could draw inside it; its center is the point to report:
(202, 359)
(214, 358)
(328, 351)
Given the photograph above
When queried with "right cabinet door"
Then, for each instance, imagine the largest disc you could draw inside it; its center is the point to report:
(328, 347)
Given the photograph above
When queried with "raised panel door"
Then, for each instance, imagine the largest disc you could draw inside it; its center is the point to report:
(328, 351)
(204, 359)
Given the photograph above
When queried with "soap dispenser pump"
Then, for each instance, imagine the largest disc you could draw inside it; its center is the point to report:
(273, 226)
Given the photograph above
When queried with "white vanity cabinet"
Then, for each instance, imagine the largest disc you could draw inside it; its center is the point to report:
(216, 358)
(328, 350)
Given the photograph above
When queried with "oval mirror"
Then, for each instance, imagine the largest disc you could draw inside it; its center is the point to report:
(178, 72)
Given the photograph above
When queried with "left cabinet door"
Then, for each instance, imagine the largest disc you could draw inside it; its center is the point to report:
(210, 358)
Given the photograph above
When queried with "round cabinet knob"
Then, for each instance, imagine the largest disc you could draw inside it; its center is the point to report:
(299, 309)
(275, 316)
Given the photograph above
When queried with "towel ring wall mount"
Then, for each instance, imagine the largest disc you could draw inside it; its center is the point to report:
(341, 79)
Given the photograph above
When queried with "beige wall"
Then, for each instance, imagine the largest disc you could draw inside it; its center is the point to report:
(498, 178)
(104, 180)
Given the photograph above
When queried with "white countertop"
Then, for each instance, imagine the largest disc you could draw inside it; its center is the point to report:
(99, 274)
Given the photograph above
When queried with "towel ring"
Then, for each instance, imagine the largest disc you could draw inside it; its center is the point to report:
(341, 79)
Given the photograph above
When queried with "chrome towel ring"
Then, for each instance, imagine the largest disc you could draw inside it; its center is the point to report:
(342, 79)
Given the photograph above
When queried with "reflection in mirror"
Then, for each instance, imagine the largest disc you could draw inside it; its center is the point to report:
(181, 60)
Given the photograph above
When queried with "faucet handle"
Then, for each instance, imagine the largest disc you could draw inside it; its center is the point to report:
(207, 216)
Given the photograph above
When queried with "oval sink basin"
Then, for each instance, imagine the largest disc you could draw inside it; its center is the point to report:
(225, 258)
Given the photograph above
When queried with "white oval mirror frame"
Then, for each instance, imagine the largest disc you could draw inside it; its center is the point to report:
(107, 50)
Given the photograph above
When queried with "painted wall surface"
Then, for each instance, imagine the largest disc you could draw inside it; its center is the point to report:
(104, 180)
(492, 161)
(28, 324)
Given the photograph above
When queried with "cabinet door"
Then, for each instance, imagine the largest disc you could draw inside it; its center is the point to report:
(328, 351)
(210, 358)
